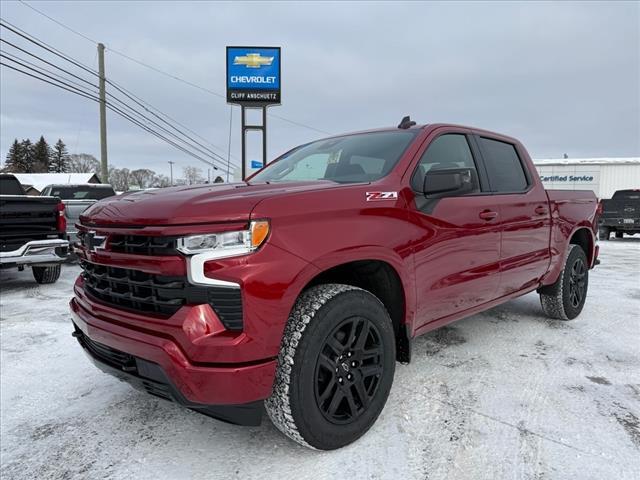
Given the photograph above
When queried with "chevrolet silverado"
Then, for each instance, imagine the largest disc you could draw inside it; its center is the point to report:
(298, 290)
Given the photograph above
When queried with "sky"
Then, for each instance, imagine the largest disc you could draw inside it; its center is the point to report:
(561, 77)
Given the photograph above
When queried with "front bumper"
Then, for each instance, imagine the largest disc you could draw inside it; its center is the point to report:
(197, 385)
(37, 252)
(151, 378)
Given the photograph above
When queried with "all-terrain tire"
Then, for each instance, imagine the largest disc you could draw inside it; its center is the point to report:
(565, 299)
(311, 403)
(48, 274)
(604, 233)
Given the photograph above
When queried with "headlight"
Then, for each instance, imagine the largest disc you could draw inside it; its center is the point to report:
(226, 244)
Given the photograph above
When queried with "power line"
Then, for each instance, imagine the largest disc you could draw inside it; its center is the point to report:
(130, 95)
(116, 85)
(2, 55)
(118, 111)
(41, 44)
(73, 90)
(34, 40)
(162, 72)
(15, 58)
(44, 61)
(206, 90)
(59, 23)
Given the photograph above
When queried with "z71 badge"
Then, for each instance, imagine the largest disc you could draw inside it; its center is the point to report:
(376, 196)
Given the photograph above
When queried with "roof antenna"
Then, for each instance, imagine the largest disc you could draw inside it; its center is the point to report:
(406, 123)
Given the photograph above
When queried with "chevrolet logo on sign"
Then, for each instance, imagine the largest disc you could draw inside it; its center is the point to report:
(253, 60)
(253, 75)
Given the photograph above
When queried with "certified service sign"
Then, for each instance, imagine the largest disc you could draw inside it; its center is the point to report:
(253, 75)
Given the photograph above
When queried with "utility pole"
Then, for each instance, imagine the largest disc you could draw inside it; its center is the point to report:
(104, 168)
(171, 167)
(229, 144)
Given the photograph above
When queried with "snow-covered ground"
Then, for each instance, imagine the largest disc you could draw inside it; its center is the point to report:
(504, 394)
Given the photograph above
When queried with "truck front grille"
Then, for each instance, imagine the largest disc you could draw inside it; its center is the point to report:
(161, 295)
(143, 245)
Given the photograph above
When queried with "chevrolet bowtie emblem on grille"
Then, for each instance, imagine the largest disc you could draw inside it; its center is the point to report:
(93, 242)
(253, 60)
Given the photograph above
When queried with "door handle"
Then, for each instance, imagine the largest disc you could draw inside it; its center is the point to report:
(488, 215)
(540, 210)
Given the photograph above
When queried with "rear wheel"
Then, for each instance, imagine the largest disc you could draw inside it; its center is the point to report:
(335, 367)
(565, 299)
(48, 274)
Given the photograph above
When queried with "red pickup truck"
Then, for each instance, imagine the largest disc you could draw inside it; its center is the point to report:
(301, 288)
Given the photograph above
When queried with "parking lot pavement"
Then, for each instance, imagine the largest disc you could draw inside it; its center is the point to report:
(503, 394)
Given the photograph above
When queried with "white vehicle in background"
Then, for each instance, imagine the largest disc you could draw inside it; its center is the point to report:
(77, 198)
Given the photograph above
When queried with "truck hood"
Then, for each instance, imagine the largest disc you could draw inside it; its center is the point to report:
(190, 205)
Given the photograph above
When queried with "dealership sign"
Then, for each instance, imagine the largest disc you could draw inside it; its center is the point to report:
(253, 75)
(567, 178)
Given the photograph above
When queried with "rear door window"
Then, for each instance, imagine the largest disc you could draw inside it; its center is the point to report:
(505, 170)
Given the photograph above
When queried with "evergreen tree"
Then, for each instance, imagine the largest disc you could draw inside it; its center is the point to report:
(59, 161)
(26, 162)
(12, 163)
(41, 155)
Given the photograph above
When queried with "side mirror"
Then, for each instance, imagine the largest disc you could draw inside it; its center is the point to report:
(450, 182)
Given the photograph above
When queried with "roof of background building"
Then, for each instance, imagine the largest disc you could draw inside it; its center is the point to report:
(41, 180)
(588, 161)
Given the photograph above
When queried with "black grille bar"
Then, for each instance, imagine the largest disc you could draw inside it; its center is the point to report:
(143, 245)
(160, 295)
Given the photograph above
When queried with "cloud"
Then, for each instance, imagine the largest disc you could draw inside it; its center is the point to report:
(562, 77)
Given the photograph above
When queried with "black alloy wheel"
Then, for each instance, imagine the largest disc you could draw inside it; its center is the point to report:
(348, 370)
(577, 282)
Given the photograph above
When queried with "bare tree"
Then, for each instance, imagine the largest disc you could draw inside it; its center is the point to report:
(160, 181)
(142, 177)
(192, 175)
(120, 178)
(83, 163)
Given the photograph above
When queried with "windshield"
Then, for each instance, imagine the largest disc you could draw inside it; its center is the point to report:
(80, 193)
(356, 158)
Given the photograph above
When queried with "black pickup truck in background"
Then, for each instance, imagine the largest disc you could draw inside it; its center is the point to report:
(32, 231)
(620, 214)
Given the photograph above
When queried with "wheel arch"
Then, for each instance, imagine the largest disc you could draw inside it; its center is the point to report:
(382, 279)
(583, 236)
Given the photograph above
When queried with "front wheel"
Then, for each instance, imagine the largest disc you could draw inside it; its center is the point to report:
(565, 299)
(335, 367)
(48, 274)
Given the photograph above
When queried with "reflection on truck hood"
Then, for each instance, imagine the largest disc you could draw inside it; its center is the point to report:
(190, 204)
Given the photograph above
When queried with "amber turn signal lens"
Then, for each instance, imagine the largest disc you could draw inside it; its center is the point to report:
(259, 232)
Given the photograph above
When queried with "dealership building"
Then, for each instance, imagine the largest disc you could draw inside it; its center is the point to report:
(602, 175)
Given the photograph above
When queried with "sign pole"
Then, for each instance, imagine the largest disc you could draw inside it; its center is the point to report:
(253, 81)
(264, 136)
(244, 144)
